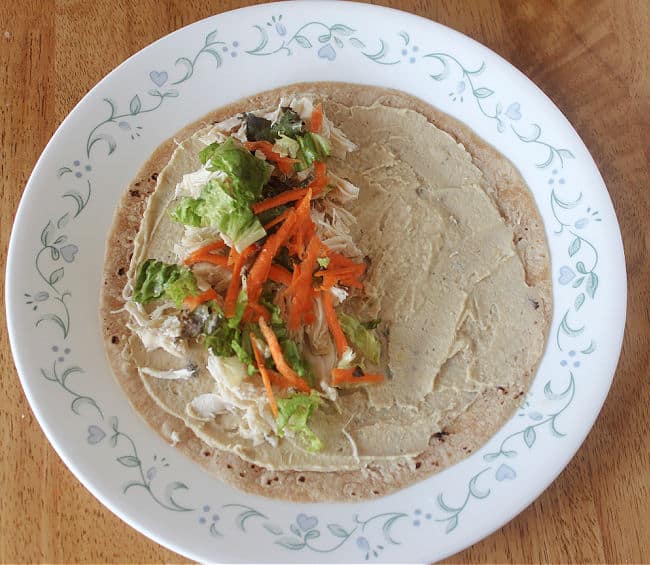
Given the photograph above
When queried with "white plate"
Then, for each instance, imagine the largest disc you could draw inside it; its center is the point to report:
(57, 248)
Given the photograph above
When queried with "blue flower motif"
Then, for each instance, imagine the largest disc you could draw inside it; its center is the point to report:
(566, 275)
(306, 522)
(362, 544)
(327, 52)
(514, 111)
(40, 296)
(68, 252)
(280, 28)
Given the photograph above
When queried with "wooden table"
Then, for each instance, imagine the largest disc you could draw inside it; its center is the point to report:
(591, 57)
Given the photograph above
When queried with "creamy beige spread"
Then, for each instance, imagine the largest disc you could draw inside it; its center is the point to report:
(444, 278)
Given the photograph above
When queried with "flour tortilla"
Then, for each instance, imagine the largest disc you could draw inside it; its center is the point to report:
(472, 429)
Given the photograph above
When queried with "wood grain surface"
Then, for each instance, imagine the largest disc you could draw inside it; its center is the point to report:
(591, 57)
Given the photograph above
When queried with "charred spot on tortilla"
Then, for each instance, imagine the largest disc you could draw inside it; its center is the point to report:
(448, 310)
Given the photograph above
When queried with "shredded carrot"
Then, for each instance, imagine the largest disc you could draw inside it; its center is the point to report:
(354, 376)
(333, 323)
(265, 376)
(254, 311)
(317, 185)
(279, 274)
(260, 270)
(235, 281)
(320, 176)
(213, 258)
(214, 246)
(316, 119)
(285, 164)
(281, 218)
(193, 301)
(278, 380)
(301, 302)
(281, 364)
(282, 198)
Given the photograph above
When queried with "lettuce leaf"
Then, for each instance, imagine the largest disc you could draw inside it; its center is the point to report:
(162, 280)
(240, 307)
(313, 147)
(259, 129)
(294, 414)
(216, 208)
(295, 361)
(288, 124)
(361, 337)
(247, 173)
(286, 147)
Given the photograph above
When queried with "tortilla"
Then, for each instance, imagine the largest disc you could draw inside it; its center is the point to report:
(499, 181)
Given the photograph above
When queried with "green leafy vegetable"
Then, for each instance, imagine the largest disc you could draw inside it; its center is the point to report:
(247, 173)
(372, 324)
(216, 208)
(240, 306)
(286, 146)
(294, 414)
(221, 338)
(157, 280)
(288, 124)
(258, 129)
(244, 351)
(363, 338)
(297, 363)
(313, 147)
(323, 261)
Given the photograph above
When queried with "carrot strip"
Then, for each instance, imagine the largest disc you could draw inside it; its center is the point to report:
(281, 218)
(277, 379)
(254, 311)
(235, 280)
(301, 301)
(316, 119)
(265, 376)
(320, 176)
(282, 198)
(276, 352)
(317, 185)
(354, 376)
(260, 269)
(193, 301)
(220, 260)
(279, 274)
(285, 164)
(333, 323)
(214, 246)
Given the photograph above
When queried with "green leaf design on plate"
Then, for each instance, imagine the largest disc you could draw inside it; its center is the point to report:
(483, 92)
(337, 531)
(530, 436)
(592, 284)
(135, 105)
(129, 461)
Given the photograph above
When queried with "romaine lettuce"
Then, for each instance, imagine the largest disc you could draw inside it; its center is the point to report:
(294, 414)
(247, 173)
(216, 208)
(361, 337)
(157, 280)
(313, 147)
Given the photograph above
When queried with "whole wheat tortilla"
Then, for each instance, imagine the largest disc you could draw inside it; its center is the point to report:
(471, 430)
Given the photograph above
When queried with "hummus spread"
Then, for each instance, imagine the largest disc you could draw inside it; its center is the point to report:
(444, 277)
